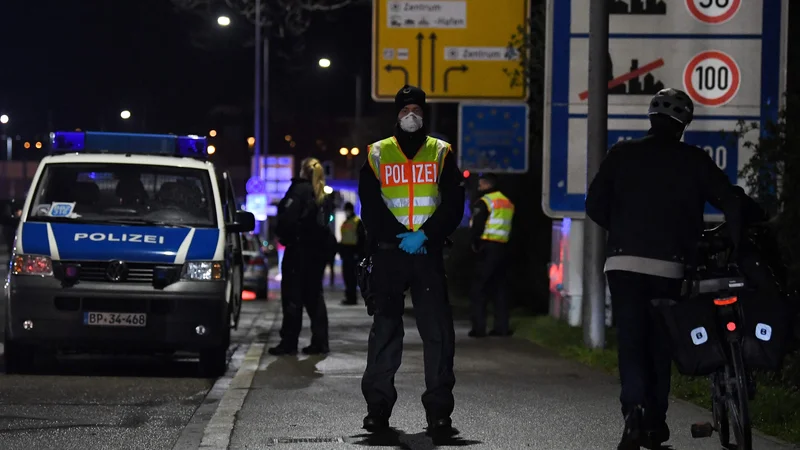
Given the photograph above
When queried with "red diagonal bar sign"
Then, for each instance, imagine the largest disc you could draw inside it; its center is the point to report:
(629, 76)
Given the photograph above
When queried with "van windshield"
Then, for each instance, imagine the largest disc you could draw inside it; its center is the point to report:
(124, 194)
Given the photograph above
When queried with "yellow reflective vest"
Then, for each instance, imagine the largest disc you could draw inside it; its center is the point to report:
(410, 188)
(501, 212)
(349, 231)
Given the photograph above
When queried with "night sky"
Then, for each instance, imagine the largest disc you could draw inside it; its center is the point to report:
(78, 63)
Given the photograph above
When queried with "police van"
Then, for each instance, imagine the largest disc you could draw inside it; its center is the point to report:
(127, 242)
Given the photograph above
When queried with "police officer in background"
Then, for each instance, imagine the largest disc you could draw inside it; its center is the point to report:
(351, 249)
(491, 228)
(650, 195)
(412, 199)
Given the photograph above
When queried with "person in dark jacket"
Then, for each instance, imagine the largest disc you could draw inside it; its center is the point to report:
(491, 229)
(650, 195)
(412, 199)
(351, 250)
(302, 226)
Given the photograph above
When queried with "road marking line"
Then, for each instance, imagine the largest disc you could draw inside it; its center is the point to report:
(218, 432)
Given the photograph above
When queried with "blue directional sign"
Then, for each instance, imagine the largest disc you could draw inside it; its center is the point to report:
(731, 65)
(493, 137)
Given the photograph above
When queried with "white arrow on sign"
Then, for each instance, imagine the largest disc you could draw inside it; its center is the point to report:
(713, 12)
(712, 78)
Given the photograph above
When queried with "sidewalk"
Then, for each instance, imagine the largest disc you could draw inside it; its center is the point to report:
(510, 394)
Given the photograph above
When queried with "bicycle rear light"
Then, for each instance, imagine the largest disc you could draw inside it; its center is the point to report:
(725, 301)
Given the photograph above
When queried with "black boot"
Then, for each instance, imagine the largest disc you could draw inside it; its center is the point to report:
(633, 434)
(282, 350)
(375, 422)
(316, 349)
(440, 426)
(657, 435)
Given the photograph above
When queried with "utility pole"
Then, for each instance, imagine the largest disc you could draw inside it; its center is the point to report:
(594, 283)
(256, 169)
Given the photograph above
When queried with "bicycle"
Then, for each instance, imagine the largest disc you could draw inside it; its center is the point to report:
(732, 385)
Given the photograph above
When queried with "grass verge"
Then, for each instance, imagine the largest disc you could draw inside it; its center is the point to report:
(775, 411)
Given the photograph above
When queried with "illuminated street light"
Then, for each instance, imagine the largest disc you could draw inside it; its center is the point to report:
(324, 63)
(292, 144)
(328, 190)
(287, 138)
(251, 141)
(38, 145)
(125, 114)
(343, 151)
(223, 21)
(4, 119)
(212, 133)
(354, 151)
(27, 145)
(211, 149)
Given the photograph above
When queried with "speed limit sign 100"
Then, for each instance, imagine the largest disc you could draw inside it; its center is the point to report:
(713, 11)
(712, 78)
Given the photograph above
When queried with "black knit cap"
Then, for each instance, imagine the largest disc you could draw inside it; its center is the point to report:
(409, 95)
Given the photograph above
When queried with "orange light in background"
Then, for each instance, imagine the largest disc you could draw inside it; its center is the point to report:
(466, 174)
(248, 296)
(212, 133)
(38, 145)
(292, 144)
(212, 149)
(251, 141)
(77, 129)
(287, 138)
(343, 151)
(27, 145)
(354, 151)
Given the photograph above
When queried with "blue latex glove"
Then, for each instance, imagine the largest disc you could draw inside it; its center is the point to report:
(412, 242)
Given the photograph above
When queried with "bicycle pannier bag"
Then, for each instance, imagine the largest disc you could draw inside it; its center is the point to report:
(766, 329)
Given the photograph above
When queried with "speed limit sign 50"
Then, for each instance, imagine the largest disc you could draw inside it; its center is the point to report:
(713, 11)
(712, 78)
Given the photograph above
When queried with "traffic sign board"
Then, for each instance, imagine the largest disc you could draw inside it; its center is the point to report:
(713, 11)
(733, 69)
(493, 137)
(453, 49)
(712, 78)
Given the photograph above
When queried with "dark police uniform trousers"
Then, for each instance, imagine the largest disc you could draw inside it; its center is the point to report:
(301, 286)
(349, 254)
(393, 272)
(491, 277)
(645, 361)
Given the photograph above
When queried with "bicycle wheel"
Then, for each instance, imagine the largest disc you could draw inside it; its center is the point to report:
(737, 401)
(719, 409)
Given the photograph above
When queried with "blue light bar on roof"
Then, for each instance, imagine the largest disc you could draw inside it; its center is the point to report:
(133, 143)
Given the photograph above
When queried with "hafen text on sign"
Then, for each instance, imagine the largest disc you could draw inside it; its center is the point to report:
(453, 49)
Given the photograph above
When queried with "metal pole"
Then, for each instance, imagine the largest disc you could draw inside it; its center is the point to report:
(358, 126)
(265, 118)
(594, 286)
(257, 96)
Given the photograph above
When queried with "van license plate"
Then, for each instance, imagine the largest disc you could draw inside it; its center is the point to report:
(115, 319)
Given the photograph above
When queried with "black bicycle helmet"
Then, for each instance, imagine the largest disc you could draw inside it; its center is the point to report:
(673, 103)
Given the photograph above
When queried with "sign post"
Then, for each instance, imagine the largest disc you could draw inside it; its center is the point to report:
(452, 49)
(728, 55)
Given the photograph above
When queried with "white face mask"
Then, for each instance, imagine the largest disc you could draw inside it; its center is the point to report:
(411, 123)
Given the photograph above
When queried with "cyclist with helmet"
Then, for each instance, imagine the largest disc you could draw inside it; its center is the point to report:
(650, 194)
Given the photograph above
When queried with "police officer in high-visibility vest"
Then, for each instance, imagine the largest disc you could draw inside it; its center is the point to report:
(351, 249)
(491, 228)
(412, 199)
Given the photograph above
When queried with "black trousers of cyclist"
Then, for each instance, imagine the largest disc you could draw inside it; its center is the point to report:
(645, 361)
(301, 286)
(394, 271)
(491, 280)
(349, 257)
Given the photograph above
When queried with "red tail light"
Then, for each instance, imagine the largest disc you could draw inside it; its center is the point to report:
(257, 261)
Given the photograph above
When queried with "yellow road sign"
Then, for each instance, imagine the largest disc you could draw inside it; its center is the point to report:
(454, 50)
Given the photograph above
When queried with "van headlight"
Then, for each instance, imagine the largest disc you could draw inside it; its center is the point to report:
(32, 265)
(202, 271)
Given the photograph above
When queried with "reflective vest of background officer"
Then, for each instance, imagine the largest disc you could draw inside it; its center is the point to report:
(491, 229)
(351, 250)
(412, 199)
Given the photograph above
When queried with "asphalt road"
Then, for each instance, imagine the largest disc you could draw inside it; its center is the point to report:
(510, 395)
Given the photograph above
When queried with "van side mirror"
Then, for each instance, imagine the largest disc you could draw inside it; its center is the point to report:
(245, 222)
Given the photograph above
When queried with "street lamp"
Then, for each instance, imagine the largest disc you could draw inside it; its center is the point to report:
(343, 151)
(212, 133)
(223, 21)
(125, 114)
(211, 149)
(4, 119)
(324, 63)
(354, 151)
